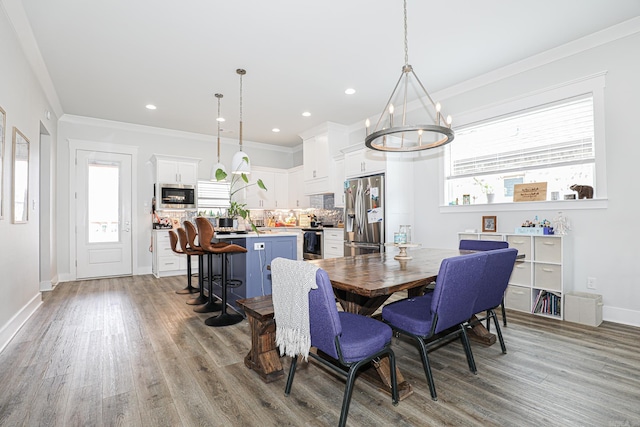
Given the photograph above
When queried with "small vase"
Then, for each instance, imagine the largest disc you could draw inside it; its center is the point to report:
(490, 197)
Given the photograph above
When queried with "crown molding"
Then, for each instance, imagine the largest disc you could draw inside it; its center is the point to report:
(131, 127)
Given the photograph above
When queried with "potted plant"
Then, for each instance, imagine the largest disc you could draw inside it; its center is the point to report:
(239, 182)
(486, 189)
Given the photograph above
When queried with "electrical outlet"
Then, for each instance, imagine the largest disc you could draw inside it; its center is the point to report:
(591, 282)
(258, 246)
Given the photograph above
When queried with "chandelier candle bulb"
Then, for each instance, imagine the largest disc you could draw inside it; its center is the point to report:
(391, 115)
(367, 123)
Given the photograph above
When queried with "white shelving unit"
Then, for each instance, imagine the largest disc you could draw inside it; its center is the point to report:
(545, 270)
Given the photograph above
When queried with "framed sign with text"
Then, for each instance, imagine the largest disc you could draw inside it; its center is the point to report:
(530, 192)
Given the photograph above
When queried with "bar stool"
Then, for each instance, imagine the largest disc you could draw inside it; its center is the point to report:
(182, 237)
(206, 304)
(191, 232)
(173, 240)
(206, 232)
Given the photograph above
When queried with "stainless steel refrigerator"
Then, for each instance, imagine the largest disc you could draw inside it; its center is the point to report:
(364, 215)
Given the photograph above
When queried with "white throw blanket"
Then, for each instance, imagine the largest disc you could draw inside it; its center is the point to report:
(291, 282)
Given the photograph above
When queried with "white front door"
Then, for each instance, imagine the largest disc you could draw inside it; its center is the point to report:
(103, 214)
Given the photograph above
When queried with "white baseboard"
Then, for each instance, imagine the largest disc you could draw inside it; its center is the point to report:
(11, 328)
(621, 315)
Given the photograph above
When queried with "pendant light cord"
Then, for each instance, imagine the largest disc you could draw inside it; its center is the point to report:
(242, 73)
(406, 40)
(218, 121)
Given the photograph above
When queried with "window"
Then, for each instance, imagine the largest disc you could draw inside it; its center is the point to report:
(535, 141)
(103, 192)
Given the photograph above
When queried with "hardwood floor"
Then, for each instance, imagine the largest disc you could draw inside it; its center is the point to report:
(130, 352)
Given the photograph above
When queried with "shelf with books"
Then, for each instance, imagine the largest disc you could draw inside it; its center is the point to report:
(544, 273)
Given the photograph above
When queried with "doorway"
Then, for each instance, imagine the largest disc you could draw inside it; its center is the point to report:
(103, 212)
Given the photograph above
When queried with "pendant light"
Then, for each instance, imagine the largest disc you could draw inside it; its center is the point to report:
(219, 165)
(433, 131)
(240, 161)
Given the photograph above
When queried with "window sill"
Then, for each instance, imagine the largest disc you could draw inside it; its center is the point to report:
(558, 205)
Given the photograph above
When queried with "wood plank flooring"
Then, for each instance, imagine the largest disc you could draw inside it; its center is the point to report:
(130, 352)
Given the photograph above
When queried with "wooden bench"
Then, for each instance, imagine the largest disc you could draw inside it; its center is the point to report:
(263, 357)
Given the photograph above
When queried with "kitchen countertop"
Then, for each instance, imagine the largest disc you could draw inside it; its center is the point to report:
(263, 234)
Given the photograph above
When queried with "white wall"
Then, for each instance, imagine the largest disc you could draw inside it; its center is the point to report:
(149, 141)
(604, 244)
(25, 103)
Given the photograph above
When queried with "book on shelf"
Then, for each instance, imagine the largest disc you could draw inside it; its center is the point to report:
(548, 303)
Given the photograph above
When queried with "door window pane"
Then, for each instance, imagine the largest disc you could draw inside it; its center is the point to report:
(103, 206)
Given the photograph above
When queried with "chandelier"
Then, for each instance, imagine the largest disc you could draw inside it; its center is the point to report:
(434, 132)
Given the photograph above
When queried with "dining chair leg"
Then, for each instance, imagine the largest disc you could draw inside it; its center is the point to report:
(467, 349)
(494, 316)
(395, 398)
(427, 368)
(348, 391)
(292, 372)
(504, 313)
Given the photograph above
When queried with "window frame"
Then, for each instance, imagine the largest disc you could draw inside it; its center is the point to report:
(593, 84)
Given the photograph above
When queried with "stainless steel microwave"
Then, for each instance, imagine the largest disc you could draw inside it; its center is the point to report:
(175, 196)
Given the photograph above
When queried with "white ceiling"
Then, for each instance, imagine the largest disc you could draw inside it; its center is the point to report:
(108, 59)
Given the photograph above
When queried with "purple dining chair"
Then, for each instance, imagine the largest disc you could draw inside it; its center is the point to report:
(493, 285)
(486, 245)
(352, 340)
(447, 308)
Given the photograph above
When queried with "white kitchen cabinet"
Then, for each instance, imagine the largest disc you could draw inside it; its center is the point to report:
(165, 262)
(319, 146)
(316, 165)
(297, 198)
(364, 162)
(276, 196)
(333, 243)
(175, 170)
(544, 272)
(338, 182)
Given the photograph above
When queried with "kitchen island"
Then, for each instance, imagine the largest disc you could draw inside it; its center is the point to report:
(247, 272)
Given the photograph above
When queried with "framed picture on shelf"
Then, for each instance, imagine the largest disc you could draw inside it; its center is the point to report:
(489, 224)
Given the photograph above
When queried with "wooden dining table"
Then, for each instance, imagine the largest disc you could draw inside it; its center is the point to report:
(362, 283)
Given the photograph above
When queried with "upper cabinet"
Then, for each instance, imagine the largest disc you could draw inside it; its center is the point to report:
(316, 158)
(319, 146)
(338, 181)
(175, 170)
(276, 196)
(297, 199)
(363, 162)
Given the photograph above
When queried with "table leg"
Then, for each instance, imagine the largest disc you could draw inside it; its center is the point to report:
(479, 333)
(354, 303)
(263, 356)
(382, 376)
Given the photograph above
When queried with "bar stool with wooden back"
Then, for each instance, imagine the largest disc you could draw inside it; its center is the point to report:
(173, 240)
(206, 233)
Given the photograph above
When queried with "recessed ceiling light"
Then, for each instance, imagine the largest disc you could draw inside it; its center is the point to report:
(220, 119)
(306, 114)
(350, 91)
(150, 107)
(275, 130)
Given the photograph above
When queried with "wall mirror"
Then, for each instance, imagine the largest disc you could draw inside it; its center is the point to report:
(3, 124)
(20, 177)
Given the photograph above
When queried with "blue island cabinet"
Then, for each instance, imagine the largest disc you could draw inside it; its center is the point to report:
(247, 272)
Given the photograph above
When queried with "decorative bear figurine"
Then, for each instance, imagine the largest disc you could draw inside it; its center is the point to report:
(584, 191)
